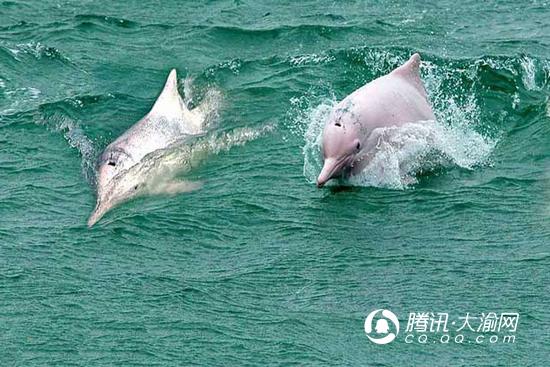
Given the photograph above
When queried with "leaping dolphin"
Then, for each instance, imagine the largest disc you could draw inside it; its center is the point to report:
(169, 121)
(350, 137)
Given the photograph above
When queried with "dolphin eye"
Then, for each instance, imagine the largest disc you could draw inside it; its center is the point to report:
(111, 163)
(338, 124)
(358, 146)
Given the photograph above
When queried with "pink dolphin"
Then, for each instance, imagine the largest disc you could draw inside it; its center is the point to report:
(391, 100)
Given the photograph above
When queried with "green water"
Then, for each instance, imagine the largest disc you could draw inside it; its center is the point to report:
(259, 266)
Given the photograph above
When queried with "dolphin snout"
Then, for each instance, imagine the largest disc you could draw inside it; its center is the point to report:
(334, 167)
(94, 218)
(96, 215)
(330, 169)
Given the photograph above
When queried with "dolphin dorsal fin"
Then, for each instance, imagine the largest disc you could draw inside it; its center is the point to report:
(411, 67)
(169, 103)
(410, 71)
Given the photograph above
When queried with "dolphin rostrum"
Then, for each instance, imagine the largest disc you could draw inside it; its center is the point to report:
(119, 167)
(350, 134)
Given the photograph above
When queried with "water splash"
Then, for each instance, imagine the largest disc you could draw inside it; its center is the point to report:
(188, 92)
(529, 73)
(382, 61)
(421, 147)
(35, 49)
(302, 60)
(312, 148)
(211, 102)
(234, 66)
(76, 137)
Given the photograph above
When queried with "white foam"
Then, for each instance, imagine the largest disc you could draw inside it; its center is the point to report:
(188, 90)
(311, 59)
(515, 100)
(420, 147)
(208, 109)
(232, 65)
(528, 76)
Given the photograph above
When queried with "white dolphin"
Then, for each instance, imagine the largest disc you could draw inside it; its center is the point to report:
(350, 134)
(121, 166)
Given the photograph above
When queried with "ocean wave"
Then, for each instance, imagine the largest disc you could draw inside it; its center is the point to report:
(17, 99)
(18, 26)
(87, 20)
(271, 32)
(34, 49)
(529, 72)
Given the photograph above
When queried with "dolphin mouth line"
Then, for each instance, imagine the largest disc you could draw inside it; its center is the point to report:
(336, 167)
(96, 215)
